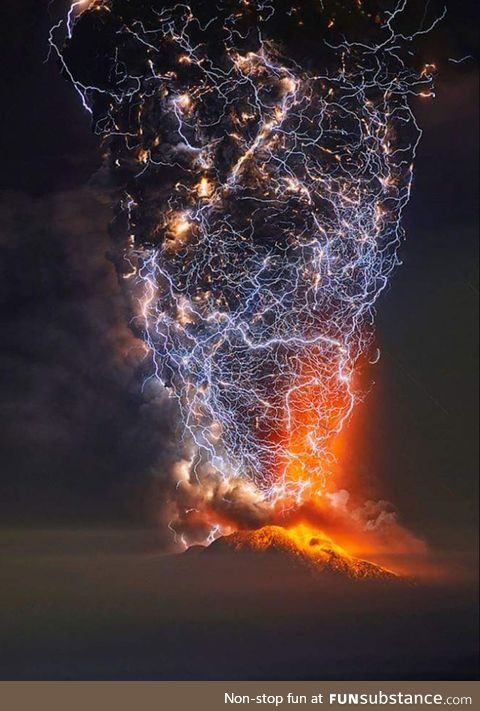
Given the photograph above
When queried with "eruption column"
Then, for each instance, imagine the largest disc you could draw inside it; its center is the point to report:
(265, 178)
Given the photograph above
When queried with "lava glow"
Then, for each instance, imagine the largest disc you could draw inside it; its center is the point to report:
(306, 548)
(261, 215)
(302, 463)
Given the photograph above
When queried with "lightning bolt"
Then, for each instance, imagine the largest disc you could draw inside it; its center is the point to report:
(263, 214)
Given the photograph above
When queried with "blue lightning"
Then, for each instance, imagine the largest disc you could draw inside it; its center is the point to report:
(264, 218)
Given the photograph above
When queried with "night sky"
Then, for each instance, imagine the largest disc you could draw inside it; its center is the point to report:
(79, 442)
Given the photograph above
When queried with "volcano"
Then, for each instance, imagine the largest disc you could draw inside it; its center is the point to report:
(300, 547)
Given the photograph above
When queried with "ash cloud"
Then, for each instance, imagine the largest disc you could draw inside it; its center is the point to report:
(110, 50)
(79, 436)
(370, 529)
(198, 506)
(53, 457)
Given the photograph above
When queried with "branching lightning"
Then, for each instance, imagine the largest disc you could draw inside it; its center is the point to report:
(262, 214)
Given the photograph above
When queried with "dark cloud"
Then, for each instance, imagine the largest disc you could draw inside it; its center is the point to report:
(78, 428)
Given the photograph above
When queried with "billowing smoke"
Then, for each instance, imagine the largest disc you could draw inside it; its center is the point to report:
(263, 151)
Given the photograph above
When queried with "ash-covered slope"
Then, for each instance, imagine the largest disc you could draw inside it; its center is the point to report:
(312, 551)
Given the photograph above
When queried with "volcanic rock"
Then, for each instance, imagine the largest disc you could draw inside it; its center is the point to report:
(316, 553)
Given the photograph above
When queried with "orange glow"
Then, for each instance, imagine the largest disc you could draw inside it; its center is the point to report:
(306, 537)
(289, 85)
(310, 437)
(81, 6)
(428, 69)
(180, 226)
(308, 548)
(204, 188)
(310, 501)
(184, 102)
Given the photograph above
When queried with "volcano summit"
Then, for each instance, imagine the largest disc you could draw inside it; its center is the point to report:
(302, 547)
